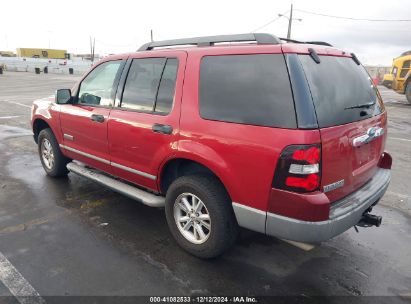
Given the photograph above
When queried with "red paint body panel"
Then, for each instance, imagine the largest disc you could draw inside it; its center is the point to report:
(313, 206)
(46, 110)
(89, 136)
(341, 160)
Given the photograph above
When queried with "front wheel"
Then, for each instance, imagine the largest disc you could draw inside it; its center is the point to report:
(53, 161)
(200, 215)
(408, 91)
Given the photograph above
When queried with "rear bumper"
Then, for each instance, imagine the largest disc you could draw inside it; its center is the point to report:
(344, 214)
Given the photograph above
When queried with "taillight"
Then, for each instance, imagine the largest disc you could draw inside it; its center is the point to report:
(299, 168)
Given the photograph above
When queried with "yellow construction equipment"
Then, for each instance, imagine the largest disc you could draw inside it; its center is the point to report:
(400, 77)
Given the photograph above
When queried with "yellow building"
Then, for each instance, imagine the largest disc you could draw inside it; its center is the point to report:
(41, 53)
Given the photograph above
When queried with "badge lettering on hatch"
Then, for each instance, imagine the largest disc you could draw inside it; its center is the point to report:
(333, 186)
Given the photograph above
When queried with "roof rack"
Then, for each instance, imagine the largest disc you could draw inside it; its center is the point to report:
(260, 38)
(306, 42)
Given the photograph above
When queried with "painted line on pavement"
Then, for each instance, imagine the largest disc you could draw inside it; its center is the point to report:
(19, 104)
(8, 117)
(397, 138)
(17, 284)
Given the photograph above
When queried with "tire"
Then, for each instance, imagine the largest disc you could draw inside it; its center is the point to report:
(223, 230)
(408, 91)
(53, 161)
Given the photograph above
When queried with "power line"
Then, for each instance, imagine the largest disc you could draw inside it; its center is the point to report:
(352, 18)
(269, 22)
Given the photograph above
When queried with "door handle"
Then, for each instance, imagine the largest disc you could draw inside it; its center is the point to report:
(164, 129)
(97, 118)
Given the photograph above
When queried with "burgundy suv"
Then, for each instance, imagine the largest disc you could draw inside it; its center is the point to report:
(286, 139)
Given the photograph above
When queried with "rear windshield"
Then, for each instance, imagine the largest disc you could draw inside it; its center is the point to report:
(342, 90)
(247, 89)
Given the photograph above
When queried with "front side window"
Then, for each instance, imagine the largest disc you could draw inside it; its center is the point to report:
(247, 89)
(98, 88)
(150, 85)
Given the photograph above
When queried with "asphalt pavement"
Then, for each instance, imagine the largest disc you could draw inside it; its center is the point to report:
(72, 237)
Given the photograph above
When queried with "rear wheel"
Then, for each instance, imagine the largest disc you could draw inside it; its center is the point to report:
(200, 216)
(408, 91)
(53, 161)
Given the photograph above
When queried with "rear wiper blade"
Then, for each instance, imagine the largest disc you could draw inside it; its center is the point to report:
(360, 106)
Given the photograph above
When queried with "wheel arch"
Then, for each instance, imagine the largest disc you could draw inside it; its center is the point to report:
(40, 124)
(176, 167)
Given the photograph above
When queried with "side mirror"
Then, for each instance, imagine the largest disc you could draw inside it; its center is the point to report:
(63, 96)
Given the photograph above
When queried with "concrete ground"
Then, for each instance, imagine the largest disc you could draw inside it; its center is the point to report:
(72, 237)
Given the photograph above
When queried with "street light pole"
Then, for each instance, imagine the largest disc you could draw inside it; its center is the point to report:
(290, 20)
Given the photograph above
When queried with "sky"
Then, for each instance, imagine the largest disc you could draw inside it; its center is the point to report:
(123, 25)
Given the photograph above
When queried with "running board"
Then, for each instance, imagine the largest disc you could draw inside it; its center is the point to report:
(145, 197)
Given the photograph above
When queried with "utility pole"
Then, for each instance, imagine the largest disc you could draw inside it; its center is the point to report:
(151, 34)
(92, 47)
(49, 36)
(91, 50)
(290, 21)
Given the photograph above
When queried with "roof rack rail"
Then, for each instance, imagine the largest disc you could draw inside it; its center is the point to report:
(319, 43)
(260, 38)
(306, 42)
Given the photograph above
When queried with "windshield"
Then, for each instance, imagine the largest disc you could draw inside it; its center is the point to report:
(342, 90)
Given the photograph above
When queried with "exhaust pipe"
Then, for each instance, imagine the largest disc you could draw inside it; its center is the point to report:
(369, 220)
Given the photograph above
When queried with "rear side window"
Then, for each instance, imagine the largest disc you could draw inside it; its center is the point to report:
(167, 87)
(341, 90)
(247, 89)
(150, 85)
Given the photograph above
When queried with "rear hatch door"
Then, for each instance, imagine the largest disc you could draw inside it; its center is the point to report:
(351, 119)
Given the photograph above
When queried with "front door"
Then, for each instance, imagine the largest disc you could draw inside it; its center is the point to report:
(84, 122)
(143, 129)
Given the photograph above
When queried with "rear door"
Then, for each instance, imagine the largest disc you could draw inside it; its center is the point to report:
(84, 123)
(352, 122)
(143, 128)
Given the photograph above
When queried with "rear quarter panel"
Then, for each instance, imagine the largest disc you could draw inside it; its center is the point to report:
(242, 156)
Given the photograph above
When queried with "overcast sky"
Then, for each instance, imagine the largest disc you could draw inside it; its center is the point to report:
(122, 25)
